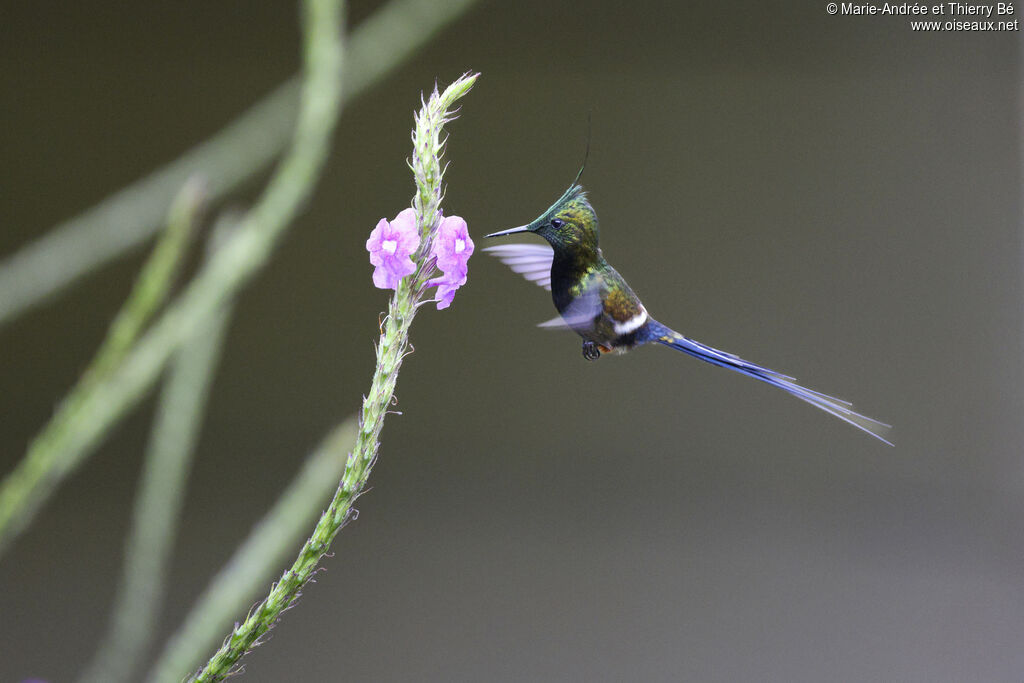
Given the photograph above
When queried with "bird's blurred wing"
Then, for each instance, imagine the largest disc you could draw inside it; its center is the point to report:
(532, 261)
(581, 313)
(554, 324)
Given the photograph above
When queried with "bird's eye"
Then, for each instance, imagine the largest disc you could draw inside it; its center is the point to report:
(557, 223)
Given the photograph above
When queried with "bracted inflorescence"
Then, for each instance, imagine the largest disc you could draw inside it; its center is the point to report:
(393, 245)
(421, 240)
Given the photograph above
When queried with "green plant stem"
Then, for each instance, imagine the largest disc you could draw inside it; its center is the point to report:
(126, 219)
(158, 502)
(391, 350)
(230, 267)
(19, 491)
(155, 279)
(253, 562)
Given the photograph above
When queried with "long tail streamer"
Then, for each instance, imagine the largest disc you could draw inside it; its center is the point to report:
(843, 410)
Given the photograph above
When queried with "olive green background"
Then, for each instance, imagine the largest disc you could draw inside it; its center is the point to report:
(835, 197)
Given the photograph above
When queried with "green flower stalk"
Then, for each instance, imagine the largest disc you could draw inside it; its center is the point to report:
(158, 503)
(82, 426)
(234, 155)
(271, 543)
(24, 489)
(428, 148)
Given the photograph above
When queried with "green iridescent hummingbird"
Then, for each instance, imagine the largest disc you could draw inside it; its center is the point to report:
(596, 302)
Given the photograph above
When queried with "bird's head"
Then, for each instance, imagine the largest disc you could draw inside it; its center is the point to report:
(570, 223)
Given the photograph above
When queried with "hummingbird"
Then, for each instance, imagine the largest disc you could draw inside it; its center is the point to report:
(596, 302)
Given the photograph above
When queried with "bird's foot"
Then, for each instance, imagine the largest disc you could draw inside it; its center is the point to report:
(591, 350)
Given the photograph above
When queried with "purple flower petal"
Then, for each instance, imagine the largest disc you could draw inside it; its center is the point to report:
(390, 245)
(445, 295)
(447, 285)
(405, 224)
(452, 248)
(452, 245)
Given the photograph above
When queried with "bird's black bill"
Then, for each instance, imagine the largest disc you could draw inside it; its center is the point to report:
(510, 231)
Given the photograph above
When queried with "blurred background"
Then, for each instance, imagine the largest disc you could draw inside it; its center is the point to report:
(837, 198)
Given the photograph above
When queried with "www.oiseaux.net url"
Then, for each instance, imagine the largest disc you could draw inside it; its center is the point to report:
(945, 16)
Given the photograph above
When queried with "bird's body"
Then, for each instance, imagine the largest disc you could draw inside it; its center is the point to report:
(621, 313)
(596, 302)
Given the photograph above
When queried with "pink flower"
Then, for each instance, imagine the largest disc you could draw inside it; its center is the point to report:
(452, 245)
(390, 246)
(446, 286)
(452, 248)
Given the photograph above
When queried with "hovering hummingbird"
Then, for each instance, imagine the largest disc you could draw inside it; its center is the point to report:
(596, 302)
